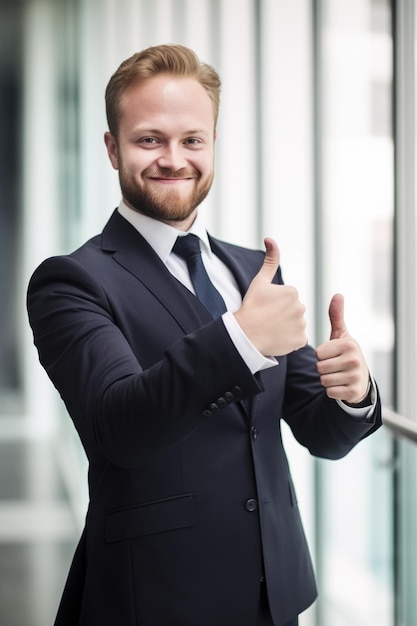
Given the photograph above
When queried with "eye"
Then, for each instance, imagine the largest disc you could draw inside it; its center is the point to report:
(193, 141)
(148, 141)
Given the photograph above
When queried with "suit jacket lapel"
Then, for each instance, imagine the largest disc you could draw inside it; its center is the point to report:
(243, 274)
(134, 253)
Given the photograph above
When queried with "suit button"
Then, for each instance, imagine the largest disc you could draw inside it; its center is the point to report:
(213, 407)
(207, 413)
(236, 391)
(251, 505)
(228, 396)
(221, 402)
(254, 433)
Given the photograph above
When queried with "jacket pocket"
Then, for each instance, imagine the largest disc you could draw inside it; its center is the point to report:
(151, 517)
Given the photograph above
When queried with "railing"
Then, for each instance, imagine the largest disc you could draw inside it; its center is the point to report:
(399, 425)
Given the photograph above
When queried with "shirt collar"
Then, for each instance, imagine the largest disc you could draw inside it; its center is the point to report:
(161, 237)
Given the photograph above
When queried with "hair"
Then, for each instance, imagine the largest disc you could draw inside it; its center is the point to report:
(163, 59)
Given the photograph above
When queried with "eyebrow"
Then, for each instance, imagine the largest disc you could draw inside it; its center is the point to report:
(156, 131)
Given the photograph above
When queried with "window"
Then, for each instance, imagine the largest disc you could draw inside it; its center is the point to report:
(356, 521)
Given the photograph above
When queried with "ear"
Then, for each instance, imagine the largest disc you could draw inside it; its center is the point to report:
(112, 151)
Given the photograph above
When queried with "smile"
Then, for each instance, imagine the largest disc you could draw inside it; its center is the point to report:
(170, 181)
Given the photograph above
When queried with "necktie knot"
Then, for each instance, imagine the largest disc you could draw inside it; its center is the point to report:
(188, 248)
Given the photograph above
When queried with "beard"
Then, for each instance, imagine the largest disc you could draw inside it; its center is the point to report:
(165, 204)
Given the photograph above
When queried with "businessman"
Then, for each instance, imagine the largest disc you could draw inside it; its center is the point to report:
(177, 355)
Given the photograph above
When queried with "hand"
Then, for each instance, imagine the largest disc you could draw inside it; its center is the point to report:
(340, 362)
(271, 316)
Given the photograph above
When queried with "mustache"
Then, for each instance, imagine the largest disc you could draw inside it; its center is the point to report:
(166, 172)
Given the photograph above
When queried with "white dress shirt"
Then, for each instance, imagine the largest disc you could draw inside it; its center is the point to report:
(162, 237)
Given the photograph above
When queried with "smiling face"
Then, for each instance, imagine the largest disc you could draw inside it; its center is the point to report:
(164, 149)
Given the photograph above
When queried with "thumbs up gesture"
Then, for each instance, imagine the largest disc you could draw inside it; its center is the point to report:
(271, 316)
(340, 362)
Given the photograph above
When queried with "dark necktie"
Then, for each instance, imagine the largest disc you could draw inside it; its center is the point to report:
(188, 248)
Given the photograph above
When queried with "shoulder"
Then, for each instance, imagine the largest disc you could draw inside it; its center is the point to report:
(248, 259)
(83, 256)
(75, 273)
(246, 256)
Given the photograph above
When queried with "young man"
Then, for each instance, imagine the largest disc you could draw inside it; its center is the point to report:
(193, 518)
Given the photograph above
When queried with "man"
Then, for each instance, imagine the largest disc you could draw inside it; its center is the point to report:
(193, 517)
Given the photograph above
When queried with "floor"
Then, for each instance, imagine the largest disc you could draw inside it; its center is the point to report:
(38, 531)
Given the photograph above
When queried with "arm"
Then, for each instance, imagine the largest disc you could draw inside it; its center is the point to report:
(317, 383)
(317, 421)
(120, 410)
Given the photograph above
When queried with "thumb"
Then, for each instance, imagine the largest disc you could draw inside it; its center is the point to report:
(271, 261)
(336, 315)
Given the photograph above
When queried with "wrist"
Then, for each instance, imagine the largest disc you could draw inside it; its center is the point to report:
(366, 399)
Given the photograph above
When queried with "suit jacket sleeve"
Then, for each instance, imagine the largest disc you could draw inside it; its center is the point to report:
(318, 422)
(127, 412)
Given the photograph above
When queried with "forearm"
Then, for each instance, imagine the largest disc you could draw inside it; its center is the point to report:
(144, 414)
(121, 407)
(317, 421)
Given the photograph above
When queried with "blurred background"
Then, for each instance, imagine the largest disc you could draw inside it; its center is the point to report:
(316, 147)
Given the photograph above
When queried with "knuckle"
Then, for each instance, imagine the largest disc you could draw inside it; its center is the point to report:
(354, 364)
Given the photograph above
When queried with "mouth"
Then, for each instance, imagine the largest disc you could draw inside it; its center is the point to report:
(165, 180)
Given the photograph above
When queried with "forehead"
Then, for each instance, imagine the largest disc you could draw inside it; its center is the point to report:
(169, 99)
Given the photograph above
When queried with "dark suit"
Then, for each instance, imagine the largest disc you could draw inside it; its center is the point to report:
(192, 501)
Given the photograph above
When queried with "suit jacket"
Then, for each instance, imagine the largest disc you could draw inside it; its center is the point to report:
(191, 498)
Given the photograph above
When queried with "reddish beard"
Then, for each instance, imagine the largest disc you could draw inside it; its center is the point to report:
(164, 204)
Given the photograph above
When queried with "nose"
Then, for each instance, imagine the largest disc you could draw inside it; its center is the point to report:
(172, 157)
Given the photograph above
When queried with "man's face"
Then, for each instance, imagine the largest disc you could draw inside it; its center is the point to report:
(164, 149)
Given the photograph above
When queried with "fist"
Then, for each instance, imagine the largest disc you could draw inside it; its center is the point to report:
(340, 362)
(272, 316)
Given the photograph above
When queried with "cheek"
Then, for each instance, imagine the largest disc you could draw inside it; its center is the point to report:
(135, 163)
(205, 164)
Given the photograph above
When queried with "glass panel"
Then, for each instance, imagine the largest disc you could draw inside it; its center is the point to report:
(356, 495)
(406, 533)
(10, 205)
(67, 62)
(406, 305)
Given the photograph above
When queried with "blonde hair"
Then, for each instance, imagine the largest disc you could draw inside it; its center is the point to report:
(164, 59)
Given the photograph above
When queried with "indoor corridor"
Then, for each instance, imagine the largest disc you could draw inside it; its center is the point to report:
(37, 531)
(316, 146)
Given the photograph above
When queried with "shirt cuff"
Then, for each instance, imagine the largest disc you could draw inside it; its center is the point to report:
(252, 357)
(365, 412)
